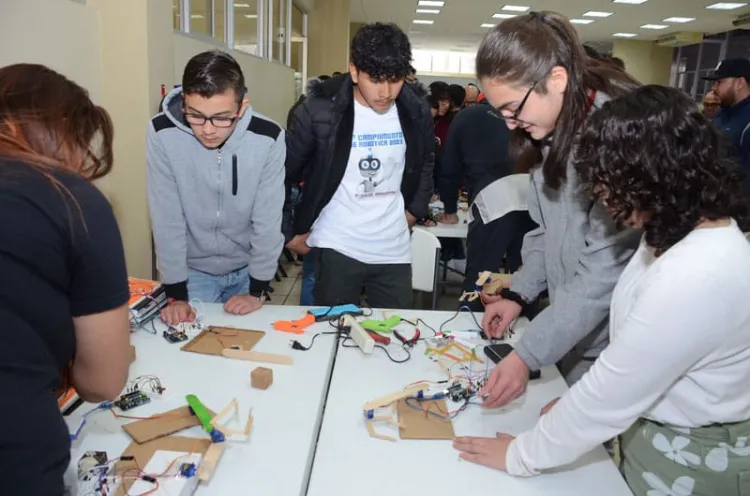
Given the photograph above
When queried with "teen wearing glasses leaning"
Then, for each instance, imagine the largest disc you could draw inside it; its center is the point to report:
(215, 191)
(674, 378)
(536, 74)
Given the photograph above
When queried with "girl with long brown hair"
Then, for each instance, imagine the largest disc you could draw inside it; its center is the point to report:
(64, 285)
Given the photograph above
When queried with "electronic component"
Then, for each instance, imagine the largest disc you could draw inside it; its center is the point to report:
(129, 401)
(358, 334)
(145, 383)
(88, 463)
(174, 335)
(188, 470)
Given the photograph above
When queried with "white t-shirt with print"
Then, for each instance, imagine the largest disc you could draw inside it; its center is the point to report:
(365, 219)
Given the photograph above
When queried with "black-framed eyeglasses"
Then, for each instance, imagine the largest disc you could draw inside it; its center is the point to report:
(514, 117)
(216, 121)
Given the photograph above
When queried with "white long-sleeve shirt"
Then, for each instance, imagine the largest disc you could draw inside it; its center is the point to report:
(679, 352)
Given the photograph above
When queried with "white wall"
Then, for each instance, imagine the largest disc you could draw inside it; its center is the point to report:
(270, 85)
(65, 38)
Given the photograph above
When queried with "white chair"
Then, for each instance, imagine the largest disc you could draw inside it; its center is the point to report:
(425, 261)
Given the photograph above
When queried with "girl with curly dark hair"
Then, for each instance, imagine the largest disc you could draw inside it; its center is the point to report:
(537, 76)
(674, 376)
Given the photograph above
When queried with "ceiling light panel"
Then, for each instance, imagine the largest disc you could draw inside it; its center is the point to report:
(726, 6)
(624, 35)
(504, 16)
(581, 21)
(516, 8)
(486, 25)
(632, 2)
(654, 26)
(595, 13)
(679, 20)
(430, 3)
(422, 21)
(428, 11)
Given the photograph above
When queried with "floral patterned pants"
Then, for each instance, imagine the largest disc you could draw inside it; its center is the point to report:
(660, 460)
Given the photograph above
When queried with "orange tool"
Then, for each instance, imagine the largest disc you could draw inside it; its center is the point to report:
(295, 326)
(379, 338)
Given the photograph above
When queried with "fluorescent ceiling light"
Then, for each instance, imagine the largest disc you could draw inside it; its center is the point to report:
(429, 3)
(242, 6)
(428, 11)
(726, 6)
(516, 8)
(594, 13)
(624, 35)
(634, 2)
(487, 25)
(504, 16)
(654, 26)
(251, 16)
(679, 19)
(422, 21)
(581, 21)
(196, 16)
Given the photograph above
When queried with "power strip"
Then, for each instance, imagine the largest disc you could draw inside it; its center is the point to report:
(358, 334)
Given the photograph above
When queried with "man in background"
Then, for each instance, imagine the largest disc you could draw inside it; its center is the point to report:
(711, 104)
(215, 185)
(363, 144)
(472, 95)
(731, 85)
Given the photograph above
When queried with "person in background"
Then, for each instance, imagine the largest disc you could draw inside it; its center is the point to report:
(536, 75)
(215, 184)
(336, 74)
(60, 248)
(411, 76)
(731, 83)
(711, 104)
(476, 155)
(324, 77)
(363, 144)
(472, 95)
(680, 399)
(458, 95)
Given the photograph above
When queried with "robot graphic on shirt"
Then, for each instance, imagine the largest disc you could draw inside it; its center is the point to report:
(369, 168)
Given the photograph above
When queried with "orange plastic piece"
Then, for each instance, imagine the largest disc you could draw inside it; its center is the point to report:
(295, 326)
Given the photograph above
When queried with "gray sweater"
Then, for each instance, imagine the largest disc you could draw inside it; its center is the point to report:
(206, 212)
(577, 253)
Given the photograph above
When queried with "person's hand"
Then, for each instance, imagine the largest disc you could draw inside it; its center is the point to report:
(507, 382)
(444, 218)
(242, 304)
(549, 406)
(488, 451)
(176, 312)
(488, 299)
(498, 316)
(410, 219)
(298, 244)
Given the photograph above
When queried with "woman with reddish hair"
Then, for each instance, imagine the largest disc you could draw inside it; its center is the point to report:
(64, 291)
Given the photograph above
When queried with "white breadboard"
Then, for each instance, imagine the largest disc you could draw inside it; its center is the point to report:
(172, 484)
(358, 334)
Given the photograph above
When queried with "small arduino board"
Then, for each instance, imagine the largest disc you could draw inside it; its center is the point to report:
(131, 400)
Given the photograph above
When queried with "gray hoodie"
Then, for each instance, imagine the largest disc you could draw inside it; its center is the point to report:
(577, 253)
(218, 210)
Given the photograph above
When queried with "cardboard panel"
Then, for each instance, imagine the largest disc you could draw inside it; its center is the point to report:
(162, 424)
(215, 339)
(416, 424)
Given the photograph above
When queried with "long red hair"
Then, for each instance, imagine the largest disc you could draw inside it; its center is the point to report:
(48, 121)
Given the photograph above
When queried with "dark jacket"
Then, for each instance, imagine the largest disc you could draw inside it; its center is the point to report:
(319, 142)
(477, 151)
(735, 123)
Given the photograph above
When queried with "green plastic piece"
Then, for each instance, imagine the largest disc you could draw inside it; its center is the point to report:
(201, 412)
(381, 326)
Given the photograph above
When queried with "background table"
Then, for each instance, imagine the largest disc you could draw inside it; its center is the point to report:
(276, 460)
(349, 461)
(460, 230)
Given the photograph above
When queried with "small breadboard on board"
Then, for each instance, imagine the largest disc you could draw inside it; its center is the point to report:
(180, 471)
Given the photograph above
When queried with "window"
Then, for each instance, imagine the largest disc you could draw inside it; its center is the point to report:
(246, 27)
(200, 17)
(176, 14)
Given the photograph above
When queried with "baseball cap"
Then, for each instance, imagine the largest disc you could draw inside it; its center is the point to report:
(731, 68)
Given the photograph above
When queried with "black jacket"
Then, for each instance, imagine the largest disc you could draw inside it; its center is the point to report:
(319, 142)
(477, 151)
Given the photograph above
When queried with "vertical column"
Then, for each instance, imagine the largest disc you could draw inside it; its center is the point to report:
(328, 35)
(137, 58)
(646, 61)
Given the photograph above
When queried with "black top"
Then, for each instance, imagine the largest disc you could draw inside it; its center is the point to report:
(319, 142)
(61, 256)
(476, 151)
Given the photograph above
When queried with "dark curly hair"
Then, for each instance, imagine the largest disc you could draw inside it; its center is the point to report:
(382, 51)
(653, 152)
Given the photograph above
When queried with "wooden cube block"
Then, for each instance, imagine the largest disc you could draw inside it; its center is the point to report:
(261, 378)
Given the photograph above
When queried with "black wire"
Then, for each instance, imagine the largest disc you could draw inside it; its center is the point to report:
(406, 350)
(424, 324)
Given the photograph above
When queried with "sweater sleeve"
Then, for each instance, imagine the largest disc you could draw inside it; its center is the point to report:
(583, 302)
(531, 279)
(657, 343)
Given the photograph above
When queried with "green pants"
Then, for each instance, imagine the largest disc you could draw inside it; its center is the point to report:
(660, 460)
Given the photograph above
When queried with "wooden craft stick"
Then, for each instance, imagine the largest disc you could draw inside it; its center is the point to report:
(257, 356)
(210, 460)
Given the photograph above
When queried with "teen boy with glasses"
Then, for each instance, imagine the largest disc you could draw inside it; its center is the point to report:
(215, 190)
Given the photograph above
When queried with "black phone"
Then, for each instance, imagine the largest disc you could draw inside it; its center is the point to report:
(497, 352)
